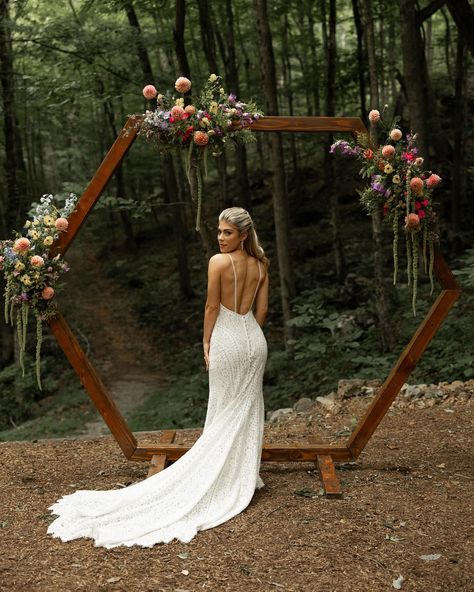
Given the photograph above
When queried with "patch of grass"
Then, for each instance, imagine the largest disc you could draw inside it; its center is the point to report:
(63, 415)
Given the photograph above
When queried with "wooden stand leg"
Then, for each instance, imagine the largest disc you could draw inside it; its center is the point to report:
(159, 461)
(332, 487)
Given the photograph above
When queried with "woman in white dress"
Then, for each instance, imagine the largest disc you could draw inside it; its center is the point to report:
(216, 479)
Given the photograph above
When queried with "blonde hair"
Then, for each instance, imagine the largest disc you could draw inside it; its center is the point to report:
(242, 220)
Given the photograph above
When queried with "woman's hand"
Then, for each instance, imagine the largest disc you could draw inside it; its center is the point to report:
(206, 354)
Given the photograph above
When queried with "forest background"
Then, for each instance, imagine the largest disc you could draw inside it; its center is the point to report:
(72, 71)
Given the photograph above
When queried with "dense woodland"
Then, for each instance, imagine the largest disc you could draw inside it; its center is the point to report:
(72, 71)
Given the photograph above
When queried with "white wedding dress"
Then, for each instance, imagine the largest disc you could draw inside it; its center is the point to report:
(214, 480)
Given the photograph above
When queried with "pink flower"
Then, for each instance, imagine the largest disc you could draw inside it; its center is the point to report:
(388, 151)
(416, 185)
(190, 109)
(47, 293)
(37, 261)
(395, 134)
(412, 221)
(177, 113)
(182, 85)
(417, 205)
(419, 161)
(425, 202)
(149, 92)
(421, 213)
(200, 138)
(21, 245)
(61, 224)
(374, 116)
(368, 153)
(408, 156)
(433, 180)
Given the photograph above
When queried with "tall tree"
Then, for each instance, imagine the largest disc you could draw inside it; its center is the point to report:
(458, 170)
(329, 44)
(361, 58)
(385, 325)
(280, 197)
(463, 15)
(13, 207)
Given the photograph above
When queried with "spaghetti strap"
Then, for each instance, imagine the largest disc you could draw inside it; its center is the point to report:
(258, 284)
(235, 284)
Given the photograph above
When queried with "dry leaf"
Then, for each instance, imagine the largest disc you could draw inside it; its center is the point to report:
(397, 584)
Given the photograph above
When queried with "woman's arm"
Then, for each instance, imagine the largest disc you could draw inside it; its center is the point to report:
(212, 302)
(261, 302)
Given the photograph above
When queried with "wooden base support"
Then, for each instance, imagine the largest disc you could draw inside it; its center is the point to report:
(160, 461)
(332, 487)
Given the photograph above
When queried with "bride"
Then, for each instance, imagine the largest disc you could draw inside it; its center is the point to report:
(217, 477)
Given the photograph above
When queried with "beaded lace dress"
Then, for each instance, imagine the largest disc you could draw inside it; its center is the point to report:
(214, 481)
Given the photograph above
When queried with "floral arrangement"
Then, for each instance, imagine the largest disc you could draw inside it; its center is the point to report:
(202, 123)
(31, 274)
(401, 189)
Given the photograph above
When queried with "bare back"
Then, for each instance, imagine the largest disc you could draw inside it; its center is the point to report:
(241, 280)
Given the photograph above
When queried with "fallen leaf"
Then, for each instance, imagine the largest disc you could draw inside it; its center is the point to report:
(397, 584)
(433, 557)
(114, 580)
(185, 572)
(394, 538)
(183, 555)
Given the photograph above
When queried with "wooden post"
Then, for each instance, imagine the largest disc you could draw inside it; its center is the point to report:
(332, 487)
(160, 461)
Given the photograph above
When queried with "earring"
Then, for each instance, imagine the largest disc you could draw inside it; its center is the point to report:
(241, 245)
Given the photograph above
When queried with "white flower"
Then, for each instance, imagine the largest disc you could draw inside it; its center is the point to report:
(212, 78)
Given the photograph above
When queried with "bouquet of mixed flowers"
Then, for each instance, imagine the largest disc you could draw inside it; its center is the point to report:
(31, 274)
(202, 123)
(401, 189)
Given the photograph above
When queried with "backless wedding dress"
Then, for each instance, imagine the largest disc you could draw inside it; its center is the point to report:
(215, 480)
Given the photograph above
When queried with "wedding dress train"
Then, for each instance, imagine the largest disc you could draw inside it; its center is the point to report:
(213, 481)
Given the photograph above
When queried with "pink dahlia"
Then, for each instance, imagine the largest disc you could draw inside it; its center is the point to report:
(388, 151)
(37, 261)
(395, 134)
(416, 185)
(21, 245)
(419, 161)
(61, 224)
(149, 92)
(433, 180)
(182, 85)
(190, 109)
(412, 220)
(200, 138)
(374, 116)
(47, 293)
(177, 113)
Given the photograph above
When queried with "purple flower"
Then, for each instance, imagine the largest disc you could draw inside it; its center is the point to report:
(231, 98)
(23, 296)
(344, 148)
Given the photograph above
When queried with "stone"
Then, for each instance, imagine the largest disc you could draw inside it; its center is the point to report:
(303, 405)
(329, 403)
(274, 416)
(354, 387)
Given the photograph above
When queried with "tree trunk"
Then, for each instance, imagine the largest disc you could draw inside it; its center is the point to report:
(459, 169)
(280, 198)
(329, 42)
(314, 59)
(385, 326)
(178, 36)
(14, 207)
(361, 58)
(463, 16)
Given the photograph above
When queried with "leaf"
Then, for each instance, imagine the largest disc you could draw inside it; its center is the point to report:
(433, 557)
(185, 572)
(307, 493)
(397, 584)
(183, 555)
(114, 580)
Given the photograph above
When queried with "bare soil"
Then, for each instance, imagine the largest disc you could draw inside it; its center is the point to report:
(409, 495)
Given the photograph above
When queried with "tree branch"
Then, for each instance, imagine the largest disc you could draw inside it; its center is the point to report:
(426, 12)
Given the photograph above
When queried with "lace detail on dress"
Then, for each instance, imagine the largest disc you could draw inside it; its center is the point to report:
(213, 481)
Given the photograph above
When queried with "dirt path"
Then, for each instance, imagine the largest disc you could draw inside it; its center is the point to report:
(100, 312)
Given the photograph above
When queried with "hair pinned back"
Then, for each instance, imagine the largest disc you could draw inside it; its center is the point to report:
(242, 220)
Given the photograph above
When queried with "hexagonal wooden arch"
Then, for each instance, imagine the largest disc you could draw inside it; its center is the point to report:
(165, 451)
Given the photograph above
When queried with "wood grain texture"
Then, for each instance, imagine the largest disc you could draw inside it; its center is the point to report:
(160, 461)
(327, 472)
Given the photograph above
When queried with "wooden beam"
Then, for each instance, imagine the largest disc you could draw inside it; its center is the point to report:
(93, 385)
(160, 461)
(331, 484)
(270, 452)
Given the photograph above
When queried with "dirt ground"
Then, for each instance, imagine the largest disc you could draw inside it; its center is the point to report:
(409, 496)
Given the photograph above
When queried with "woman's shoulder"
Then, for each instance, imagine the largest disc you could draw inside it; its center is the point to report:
(219, 261)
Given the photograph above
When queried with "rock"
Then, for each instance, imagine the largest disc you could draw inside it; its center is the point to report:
(303, 405)
(355, 387)
(274, 416)
(329, 403)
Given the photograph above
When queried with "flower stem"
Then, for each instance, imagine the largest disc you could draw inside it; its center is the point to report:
(414, 239)
(395, 249)
(39, 341)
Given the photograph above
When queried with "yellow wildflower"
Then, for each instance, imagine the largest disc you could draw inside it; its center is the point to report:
(388, 169)
(214, 107)
(179, 102)
(48, 220)
(19, 266)
(212, 78)
(48, 241)
(25, 279)
(396, 179)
